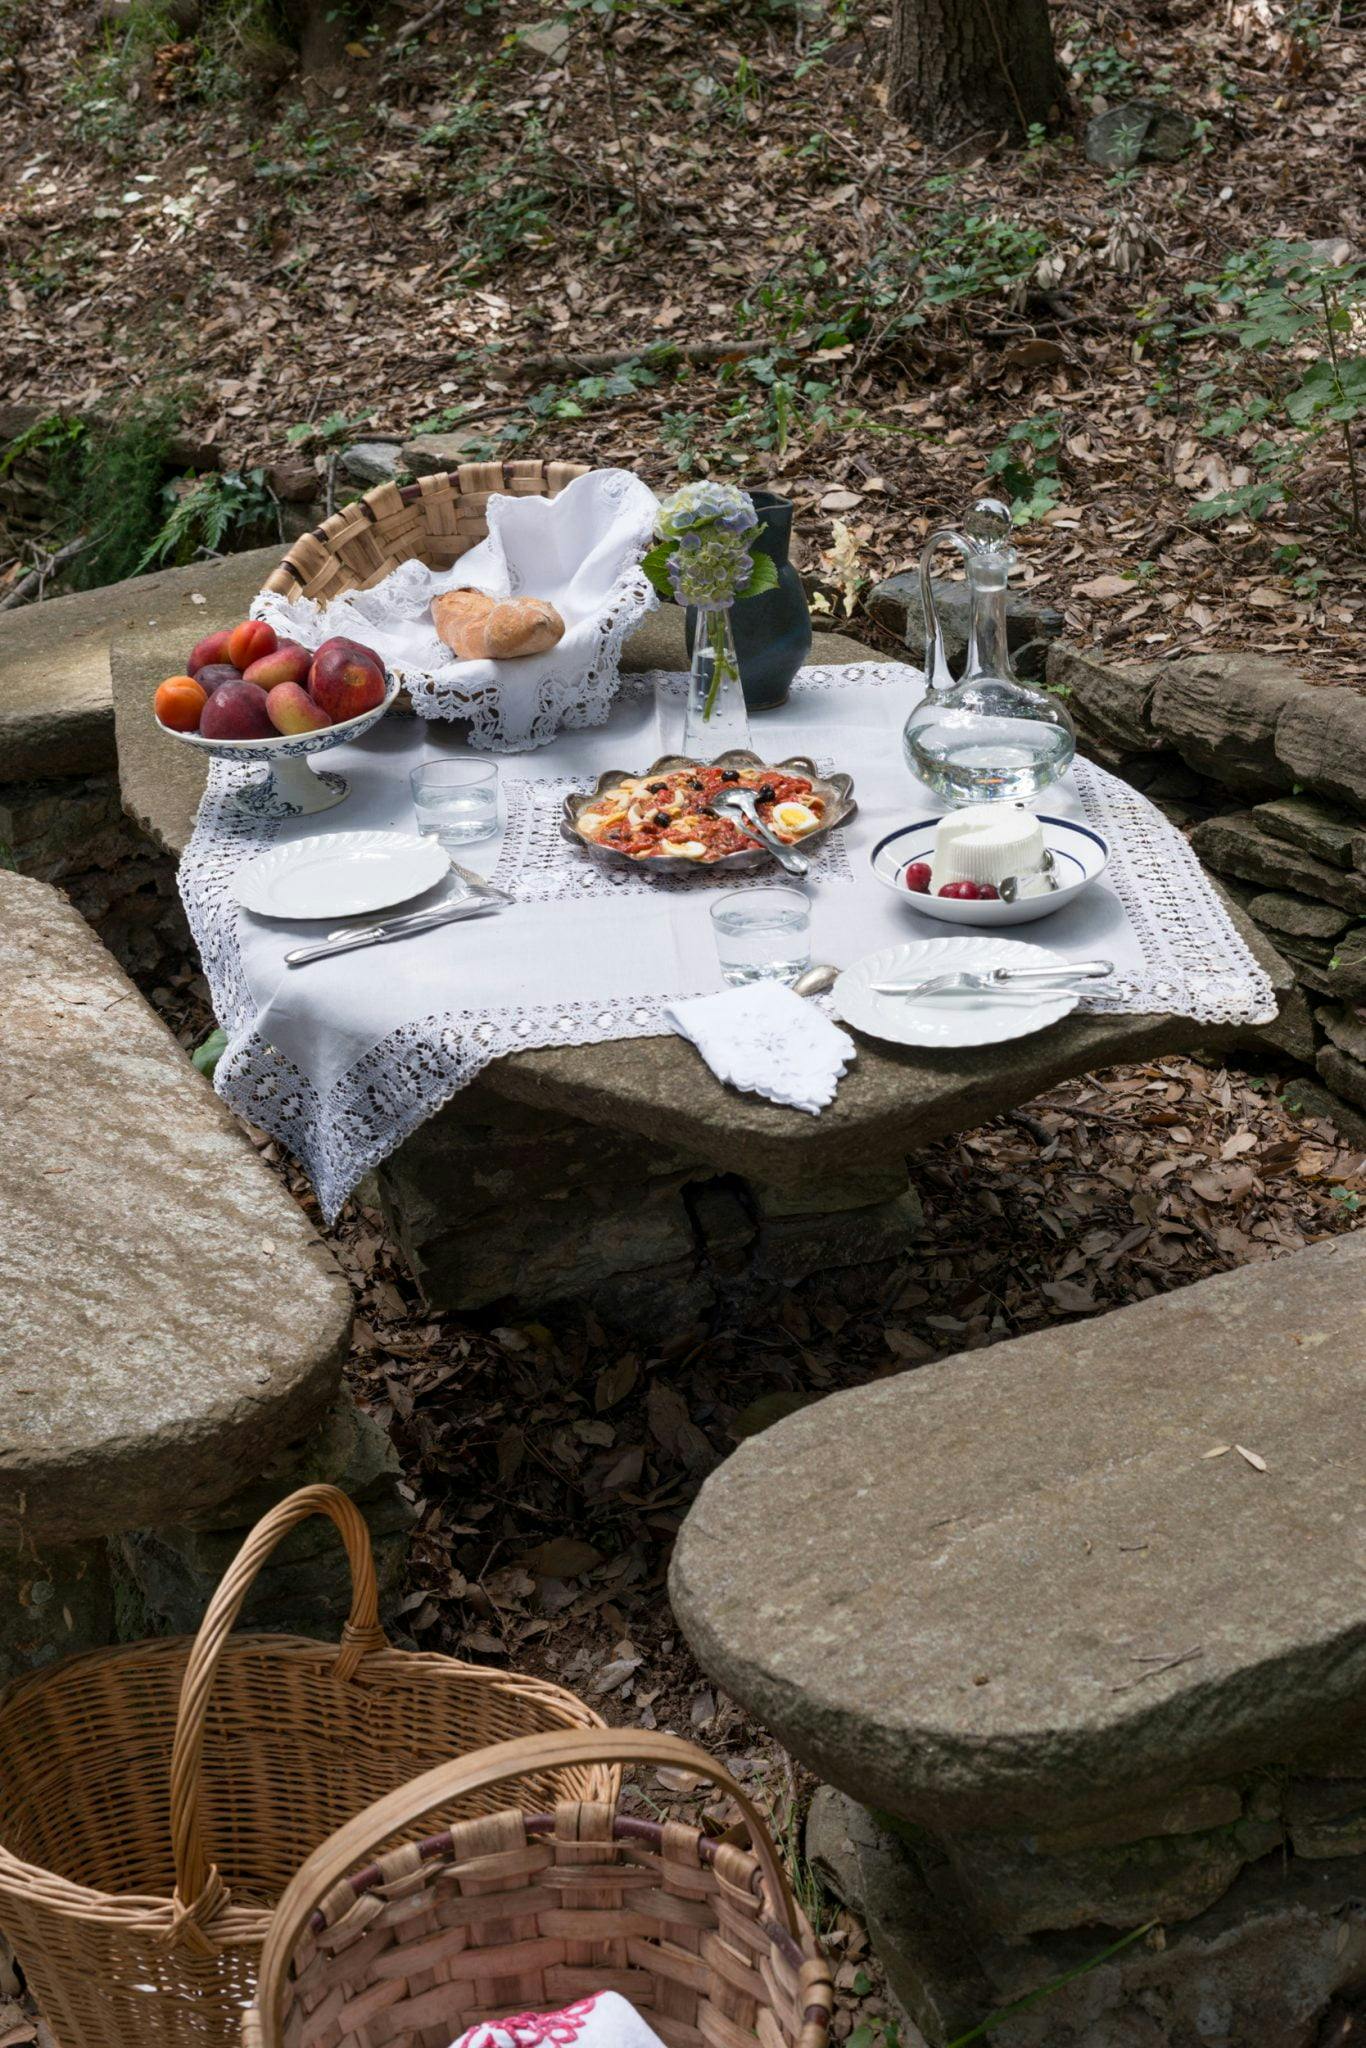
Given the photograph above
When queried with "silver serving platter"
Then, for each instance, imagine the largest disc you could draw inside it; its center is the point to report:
(837, 790)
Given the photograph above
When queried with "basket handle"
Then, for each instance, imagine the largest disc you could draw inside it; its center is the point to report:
(553, 1750)
(198, 1892)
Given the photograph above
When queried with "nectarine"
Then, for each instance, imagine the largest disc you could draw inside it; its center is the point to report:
(215, 648)
(237, 711)
(289, 663)
(249, 641)
(346, 679)
(292, 710)
(214, 674)
(179, 701)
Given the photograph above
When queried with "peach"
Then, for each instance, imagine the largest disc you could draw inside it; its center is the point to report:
(346, 679)
(249, 641)
(288, 664)
(237, 711)
(214, 674)
(292, 710)
(179, 702)
(215, 648)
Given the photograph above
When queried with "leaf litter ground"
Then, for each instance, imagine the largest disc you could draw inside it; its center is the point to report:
(470, 217)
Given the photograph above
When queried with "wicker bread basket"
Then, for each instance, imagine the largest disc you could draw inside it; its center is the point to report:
(155, 1800)
(517, 1913)
(436, 521)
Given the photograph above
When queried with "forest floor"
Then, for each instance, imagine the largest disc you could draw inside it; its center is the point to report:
(454, 229)
(448, 236)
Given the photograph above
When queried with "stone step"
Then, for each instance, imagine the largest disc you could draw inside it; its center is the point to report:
(171, 1318)
(56, 699)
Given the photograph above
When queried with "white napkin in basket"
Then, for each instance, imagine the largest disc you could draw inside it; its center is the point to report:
(604, 2021)
(580, 550)
(765, 1039)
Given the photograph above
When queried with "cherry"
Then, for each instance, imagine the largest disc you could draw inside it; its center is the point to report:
(961, 892)
(986, 892)
(918, 877)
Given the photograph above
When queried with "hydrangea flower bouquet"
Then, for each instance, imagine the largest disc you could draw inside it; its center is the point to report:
(704, 557)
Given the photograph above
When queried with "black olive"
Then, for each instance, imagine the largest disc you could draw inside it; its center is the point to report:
(694, 783)
(662, 818)
(730, 774)
(655, 787)
(767, 793)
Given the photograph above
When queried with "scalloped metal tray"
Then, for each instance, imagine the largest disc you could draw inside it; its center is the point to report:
(837, 790)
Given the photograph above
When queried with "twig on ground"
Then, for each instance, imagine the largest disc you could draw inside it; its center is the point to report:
(37, 579)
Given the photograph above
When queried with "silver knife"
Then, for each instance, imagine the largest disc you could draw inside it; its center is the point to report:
(391, 928)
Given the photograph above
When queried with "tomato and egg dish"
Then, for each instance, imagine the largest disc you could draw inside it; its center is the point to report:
(647, 816)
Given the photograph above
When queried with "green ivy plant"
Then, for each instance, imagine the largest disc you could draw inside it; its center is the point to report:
(1293, 371)
(1026, 466)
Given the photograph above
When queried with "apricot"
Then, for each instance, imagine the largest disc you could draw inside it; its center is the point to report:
(346, 679)
(179, 701)
(292, 710)
(215, 673)
(215, 648)
(237, 711)
(288, 664)
(249, 641)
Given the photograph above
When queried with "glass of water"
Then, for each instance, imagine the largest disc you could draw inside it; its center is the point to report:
(762, 935)
(456, 801)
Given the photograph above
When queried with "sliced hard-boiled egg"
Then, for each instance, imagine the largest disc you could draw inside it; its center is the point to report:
(794, 817)
(686, 849)
(597, 821)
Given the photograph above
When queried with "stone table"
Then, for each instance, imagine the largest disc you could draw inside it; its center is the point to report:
(736, 1181)
(1090, 1665)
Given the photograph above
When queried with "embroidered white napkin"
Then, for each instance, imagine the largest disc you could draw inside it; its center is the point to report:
(604, 2021)
(765, 1039)
(580, 550)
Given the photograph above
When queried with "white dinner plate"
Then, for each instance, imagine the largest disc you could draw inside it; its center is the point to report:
(340, 874)
(1079, 857)
(947, 1021)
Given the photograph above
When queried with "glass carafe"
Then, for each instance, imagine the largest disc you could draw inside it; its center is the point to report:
(989, 737)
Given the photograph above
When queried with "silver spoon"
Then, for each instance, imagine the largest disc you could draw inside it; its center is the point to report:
(1008, 889)
(815, 981)
(740, 805)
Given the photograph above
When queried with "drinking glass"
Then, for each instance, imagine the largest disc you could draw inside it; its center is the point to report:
(456, 801)
(762, 935)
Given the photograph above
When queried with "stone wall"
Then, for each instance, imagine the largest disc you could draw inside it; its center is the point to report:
(1267, 773)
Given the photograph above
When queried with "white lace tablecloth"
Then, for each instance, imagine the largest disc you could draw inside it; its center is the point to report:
(340, 1060)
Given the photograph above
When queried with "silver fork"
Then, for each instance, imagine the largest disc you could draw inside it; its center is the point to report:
(1002, 980)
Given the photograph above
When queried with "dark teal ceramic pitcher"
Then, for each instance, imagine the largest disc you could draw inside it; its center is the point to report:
(773, 631)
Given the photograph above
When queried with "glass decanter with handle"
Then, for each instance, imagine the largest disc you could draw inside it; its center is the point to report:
(988, 737)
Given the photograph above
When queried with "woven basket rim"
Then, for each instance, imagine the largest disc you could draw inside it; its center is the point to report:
(625, 1827)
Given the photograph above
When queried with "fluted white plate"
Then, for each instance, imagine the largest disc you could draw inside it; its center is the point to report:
(949, 1021)
(340, 874)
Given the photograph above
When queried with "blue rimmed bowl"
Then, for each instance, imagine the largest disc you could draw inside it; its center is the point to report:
(1080, 854)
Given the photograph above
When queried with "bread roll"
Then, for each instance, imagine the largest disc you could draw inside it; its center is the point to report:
(480, 628)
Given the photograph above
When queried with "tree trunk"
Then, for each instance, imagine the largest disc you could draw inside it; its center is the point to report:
(321, 29)
(957, 67)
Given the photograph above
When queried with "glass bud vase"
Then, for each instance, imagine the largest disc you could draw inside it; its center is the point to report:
(990, 737)
(715, 720)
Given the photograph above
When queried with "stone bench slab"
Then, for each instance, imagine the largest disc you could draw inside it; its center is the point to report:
(953, 1593)
(170, 1318)
(56, 697)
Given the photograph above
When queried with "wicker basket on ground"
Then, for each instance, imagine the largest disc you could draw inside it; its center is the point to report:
(517, 1913)
(155, 1800)
(435, 521)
